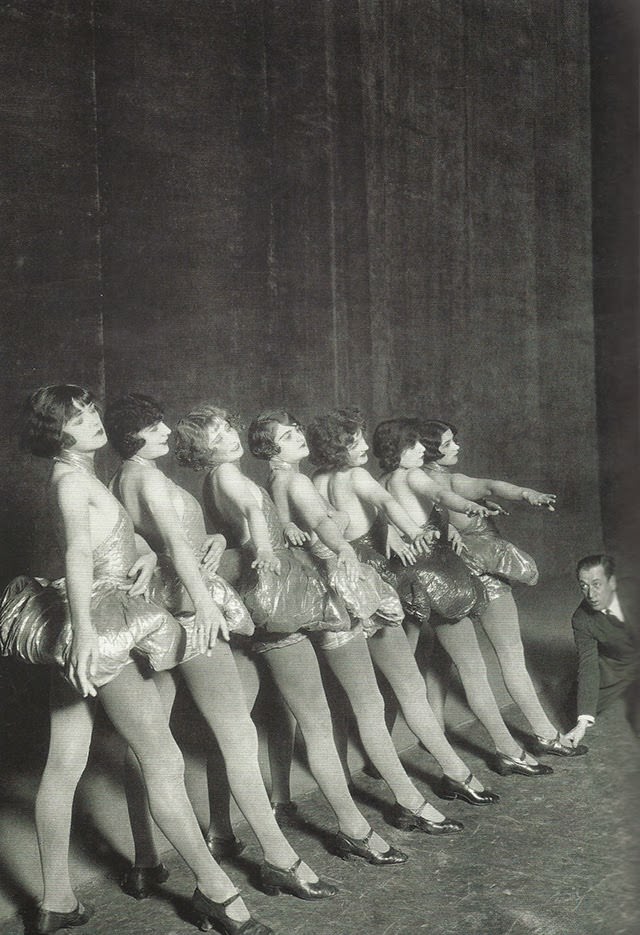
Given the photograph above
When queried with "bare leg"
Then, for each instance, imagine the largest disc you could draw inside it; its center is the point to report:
(297, 674)
(216, 689)
(352, 666)
(142, 825)
(500, 621)
(135, 709)
(392, 654)
(71, 729)
(460, 641)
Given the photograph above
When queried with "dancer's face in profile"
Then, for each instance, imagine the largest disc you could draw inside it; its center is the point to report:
(86, 427)
(358, 451)
(596, 587)
(449, 449)
(224, 441)
(291, 442)
(413, 456)
(156, 441)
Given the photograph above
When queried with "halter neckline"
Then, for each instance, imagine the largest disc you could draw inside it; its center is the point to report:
(78, 460)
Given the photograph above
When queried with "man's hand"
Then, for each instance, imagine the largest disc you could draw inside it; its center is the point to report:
(575, 736)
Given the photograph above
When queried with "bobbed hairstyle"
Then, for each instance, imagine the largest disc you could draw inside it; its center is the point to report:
(329, 437)
(44, 414)
(262, 430)
(190, 435)
(391, 438)
(124, 418)
(592, 561)
(430, 434)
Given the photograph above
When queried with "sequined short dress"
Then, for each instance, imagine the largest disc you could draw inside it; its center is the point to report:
(295, 599)
(370, 601)
(496, 561)
(35, 623)
(167, 587)
(438, 581)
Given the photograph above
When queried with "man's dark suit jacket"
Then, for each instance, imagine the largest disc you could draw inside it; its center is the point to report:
(608, 651)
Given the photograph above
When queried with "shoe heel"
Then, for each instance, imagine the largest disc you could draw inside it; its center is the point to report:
(270, 890)
(448, 795)
(501, 769)
(205, 926)
(342, 854)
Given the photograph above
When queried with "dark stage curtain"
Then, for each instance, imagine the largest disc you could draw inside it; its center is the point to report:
(379, 203)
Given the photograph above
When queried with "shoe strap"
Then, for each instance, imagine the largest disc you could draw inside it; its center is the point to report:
(231, 899)
(468, 779)
(292, 869)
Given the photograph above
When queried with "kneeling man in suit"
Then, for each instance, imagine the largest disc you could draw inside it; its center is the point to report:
(605, 630)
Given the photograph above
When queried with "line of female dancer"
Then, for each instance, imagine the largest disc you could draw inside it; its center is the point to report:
(331, 565)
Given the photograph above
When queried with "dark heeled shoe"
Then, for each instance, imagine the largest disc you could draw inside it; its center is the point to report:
(139, 881)
(48, 921)
(406, 820)
(225, 848)
(284, 811)
(454, 789)
(505, 765)
(557, 748)
(210, 913)
(346, 847)
(274, 880)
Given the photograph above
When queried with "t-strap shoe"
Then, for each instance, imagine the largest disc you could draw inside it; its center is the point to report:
(505, 765)
(406, 820)
(454, 789)
(346, 847)
(557, 748)
(274, 880)
(210, 914)
(48, 921)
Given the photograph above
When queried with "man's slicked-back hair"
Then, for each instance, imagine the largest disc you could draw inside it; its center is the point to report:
(598, 558)
(125, 417)
(44, 414)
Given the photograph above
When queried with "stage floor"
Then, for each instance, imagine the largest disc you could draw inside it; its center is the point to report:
(559, 855)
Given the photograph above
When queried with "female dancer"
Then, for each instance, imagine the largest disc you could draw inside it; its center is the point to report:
(285, 597)
(397, 446)
(497, 562)
(88, 626)
(337, 444)
(277, 436)
(171, 520)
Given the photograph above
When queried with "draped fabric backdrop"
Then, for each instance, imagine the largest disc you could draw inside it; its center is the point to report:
(385, 203)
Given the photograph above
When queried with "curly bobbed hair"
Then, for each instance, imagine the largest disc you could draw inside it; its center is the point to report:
(592, 561)
(430, 434)
(329, 437)
(124, 418)
(391, 438)
(262, 430)
(44, 415)
(191, 438)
